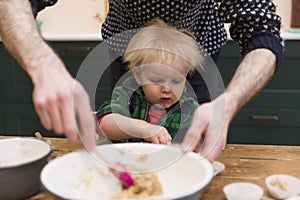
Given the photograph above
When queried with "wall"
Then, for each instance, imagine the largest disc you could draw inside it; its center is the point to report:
(79, 15)
(284, 9)
(73, 16)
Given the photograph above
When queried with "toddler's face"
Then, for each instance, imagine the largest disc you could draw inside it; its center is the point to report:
(163, 84)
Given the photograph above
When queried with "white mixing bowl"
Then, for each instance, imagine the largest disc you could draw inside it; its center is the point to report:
(78, 175)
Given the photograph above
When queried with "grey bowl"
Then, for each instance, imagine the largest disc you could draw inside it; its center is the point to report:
(21, 162)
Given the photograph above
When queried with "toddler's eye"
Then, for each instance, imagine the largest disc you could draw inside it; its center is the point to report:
(176, 81)
(156, 80)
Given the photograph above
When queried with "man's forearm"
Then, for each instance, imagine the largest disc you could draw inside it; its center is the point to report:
(19, 33)
(251, 76)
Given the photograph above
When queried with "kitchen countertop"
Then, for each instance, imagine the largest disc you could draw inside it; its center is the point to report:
(290, 36)
(97, 36)
(244, 163)
(72, 36)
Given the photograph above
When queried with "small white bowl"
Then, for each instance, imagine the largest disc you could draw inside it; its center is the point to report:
(283, 186)
(243, 191)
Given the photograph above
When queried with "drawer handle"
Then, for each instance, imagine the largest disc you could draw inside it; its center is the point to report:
(78, 49)
(265, 117)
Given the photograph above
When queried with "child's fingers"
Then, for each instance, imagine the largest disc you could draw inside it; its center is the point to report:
(169, 139)
(162, 139)
(155, 140)
(165, 138)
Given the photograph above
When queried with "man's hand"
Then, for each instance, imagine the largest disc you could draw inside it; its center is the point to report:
(210, 124)
(58, 98)
(208, 131)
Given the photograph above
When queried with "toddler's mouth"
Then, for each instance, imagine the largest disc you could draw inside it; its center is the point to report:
(165, 99)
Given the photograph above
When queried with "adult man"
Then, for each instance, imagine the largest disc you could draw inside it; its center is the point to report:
(254, 26)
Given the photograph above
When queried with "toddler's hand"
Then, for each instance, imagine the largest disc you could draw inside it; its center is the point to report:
(161, 136)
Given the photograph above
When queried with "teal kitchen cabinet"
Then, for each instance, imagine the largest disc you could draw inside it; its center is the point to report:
(17, 114)
(273, 115)
(17, 85)
(2, 125)
(84, 60)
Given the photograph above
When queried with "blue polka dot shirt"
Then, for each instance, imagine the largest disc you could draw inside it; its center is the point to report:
(253, 23)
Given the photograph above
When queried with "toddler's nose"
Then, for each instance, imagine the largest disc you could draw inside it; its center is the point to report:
(166, 89)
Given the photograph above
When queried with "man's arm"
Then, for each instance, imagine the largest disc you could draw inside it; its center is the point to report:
(20, 35)
(256, 27)
(208, 132)
(251, 76)
(55, 90)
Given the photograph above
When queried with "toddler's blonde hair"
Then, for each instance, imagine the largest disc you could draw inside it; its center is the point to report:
(161, 42)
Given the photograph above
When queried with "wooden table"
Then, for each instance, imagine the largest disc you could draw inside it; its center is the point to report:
(246, 163)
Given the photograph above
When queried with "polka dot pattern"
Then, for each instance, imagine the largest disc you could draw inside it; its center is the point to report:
(204, 18)
(249, 18)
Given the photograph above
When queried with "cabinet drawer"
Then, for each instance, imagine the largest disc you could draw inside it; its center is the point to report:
(289, 99)
(273, 118)
(264, 135)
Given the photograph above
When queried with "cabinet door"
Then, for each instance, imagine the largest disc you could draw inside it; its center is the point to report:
(22, 120)
(88, 63)
(17, 112)
(2, 124)
(272, 116)
(287, 76)
(15, 83)
(16, 87)
(228, 61)
(266, 126)
(73, 53)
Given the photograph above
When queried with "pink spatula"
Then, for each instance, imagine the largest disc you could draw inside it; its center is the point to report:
(117, 169)
(123, 175)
